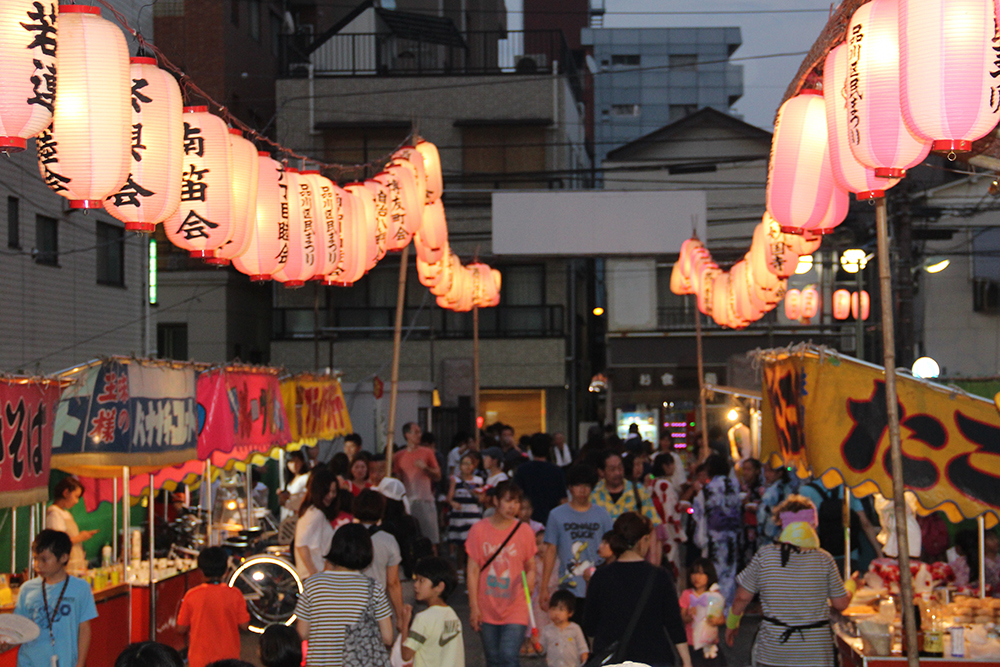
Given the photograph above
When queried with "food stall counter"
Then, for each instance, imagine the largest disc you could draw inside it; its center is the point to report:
(852, 654)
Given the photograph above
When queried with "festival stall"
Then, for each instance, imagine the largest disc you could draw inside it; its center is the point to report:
(825, 414)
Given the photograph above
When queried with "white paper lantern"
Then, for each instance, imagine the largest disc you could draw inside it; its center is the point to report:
(380, 201)
(432, 169)
(366, 201)
(397, 233)
(27, 70)
(353, 245)
(302, 251)
(410, 157)
(268, 249)
(327, 218)
(244, 176)
(433, 234)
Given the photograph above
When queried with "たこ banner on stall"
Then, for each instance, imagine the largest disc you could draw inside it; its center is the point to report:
(126, 412)
(315, 407)
(27, 413)
(239, 413)
(825, 413)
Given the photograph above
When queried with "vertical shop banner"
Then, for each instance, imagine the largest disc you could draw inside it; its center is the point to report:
(124, 412)
(239, 413)
(315, 407)
(825, 413)
(27, 413)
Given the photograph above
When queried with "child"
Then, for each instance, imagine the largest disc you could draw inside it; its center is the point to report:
(612, 546)
(280, 646)
(563, 640)
(435, 637)
(61, 605)
(465, 508)
(213, 613)
(701, 609)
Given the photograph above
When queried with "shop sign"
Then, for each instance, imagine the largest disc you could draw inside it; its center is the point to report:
(27, 410)
(239, 413)
(316, 408)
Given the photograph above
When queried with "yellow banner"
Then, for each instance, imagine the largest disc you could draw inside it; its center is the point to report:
(315, 407)
(826, 414)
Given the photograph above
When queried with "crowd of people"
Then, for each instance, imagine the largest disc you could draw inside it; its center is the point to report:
(622, 551)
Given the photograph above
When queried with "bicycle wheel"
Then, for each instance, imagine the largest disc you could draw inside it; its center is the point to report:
(271, 588)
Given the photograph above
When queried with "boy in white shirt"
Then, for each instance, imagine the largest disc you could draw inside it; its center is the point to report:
(435, 637)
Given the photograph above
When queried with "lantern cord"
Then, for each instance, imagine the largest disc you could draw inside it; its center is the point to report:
(191, 88)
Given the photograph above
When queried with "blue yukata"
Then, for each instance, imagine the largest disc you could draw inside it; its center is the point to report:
(718, 516)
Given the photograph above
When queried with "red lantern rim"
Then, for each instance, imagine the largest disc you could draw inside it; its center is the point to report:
(197, 109)
(951, 145)
(293, 284)
(236, 130)
(868, 195)
(142, 60)
(263, 154)
(145, 227)
(260, 277)
(86, 203)
(292, 169)
(889, 172)
(310, 171)
(798, 231)
(13, 144)
(823, 232)
(217, 261)
(811, 91)
(79, 9)
(201, 254)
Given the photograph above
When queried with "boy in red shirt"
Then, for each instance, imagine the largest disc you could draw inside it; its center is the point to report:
(212, 614)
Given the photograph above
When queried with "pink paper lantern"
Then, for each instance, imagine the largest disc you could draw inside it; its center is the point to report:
(353, 243)
(793, 304)
(841, 304)
(780, 257)
(268, 249)
(848, 173)
(243, 177)
(301, 263)
(720, 299)
(380, 199)
(327, 223)
(865, 304)
(799, 177)
(840, 203)
(432, 169)
(433, 234)
(366, 214)
(877, 134)
(27, 70)
(948, 71)
(810, 302)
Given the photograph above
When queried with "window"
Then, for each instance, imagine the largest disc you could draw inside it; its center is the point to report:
(684, 62)
(523, 285)
(629, 60)
(110, 254)
(14, 223)
(172, 341)
(253, 19)
(985, 296)
(46, 240)
(358, 145)
(625, 110)
(505, 149)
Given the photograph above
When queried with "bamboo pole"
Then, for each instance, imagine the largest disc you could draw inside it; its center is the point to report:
(475, 368)
(981, 525)
(703, 417)
(397, 336)
(895, 449)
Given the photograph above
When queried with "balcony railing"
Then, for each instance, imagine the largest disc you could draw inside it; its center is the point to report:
(492, 52)
(675, 318)
(349, 323)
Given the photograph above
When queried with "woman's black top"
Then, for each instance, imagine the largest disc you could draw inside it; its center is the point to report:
(611, 598)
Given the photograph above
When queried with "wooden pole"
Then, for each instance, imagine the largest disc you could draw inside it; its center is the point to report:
(152, 560)
(397, 337)
(475, 368)
(895, 449)
(703, 417)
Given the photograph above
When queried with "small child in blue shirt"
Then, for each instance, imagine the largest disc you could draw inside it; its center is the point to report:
(61, 605)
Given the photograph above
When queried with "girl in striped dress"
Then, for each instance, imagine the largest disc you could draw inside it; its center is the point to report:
(465, 509)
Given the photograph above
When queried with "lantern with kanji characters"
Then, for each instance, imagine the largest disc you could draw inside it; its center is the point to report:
(243, 179)
(707, 272)
(301, 263)
(848, 173)
(152, 191)
(793, 304)
(268, 248)
(799, 178)
(90, 136)
(327, 223)
(366, 216)
(410, 157)
(780, 257)
(451, 267)
(406, 173)
(841, 304)
(877, 135)
(810, 302)
(862, 304)
(203, 222)
(432, 170)
(27, 70)
(380, 202)
(948, 71)
(433, 235)
(720, 300)
(396, 202)
(353, 257)
(805, 243)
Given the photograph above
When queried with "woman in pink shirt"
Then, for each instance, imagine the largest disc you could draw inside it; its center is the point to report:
(500, 548)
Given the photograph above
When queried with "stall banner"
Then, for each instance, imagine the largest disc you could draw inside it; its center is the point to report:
(97, 490)
(124, 412)
(315, 407)
(240, 413)
(826, 413)
(27, 413)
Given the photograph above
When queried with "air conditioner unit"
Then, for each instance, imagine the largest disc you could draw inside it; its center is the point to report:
(531, 62)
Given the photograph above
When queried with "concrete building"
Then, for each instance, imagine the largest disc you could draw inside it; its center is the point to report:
(645, 78)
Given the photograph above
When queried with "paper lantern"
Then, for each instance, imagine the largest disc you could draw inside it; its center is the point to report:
(877, 135)
(848, 173)
(779, 256)
(326, 223)
(810, 302)
(380, 199)
(841, 304)
(409, 190)
(352, 241)
(448, 275)
(839, 204)
(799, 177)
(705, 282)
(397, 233)
(300, 265)
(410, 157)
(793, 304)
(433, 234)
(27, 70)
(948, 71)
(432, 170)
(804, 244)
(720, 300)
(92, 114)
(203, 222)
(243, 180)
(268, 247)
(152, 191)
(865, 304)
(366, 216)
(430, 274)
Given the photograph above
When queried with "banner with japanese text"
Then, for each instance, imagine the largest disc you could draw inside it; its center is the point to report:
(315, 407)
(126, 412)
(27, 413)
(240, 413)
(826, 414)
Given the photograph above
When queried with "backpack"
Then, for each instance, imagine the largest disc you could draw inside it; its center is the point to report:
(830, 514)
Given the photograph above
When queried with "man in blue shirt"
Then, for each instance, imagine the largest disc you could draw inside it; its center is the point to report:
(573, 536)
(60, 604)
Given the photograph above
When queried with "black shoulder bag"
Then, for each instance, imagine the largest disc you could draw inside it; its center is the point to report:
(496, 553)
(614, 652)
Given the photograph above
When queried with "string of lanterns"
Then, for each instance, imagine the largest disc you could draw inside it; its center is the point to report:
(115, 135)
(912, 76)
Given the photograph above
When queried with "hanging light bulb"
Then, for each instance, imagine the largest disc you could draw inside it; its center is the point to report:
(28, 70)
(268, 249)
